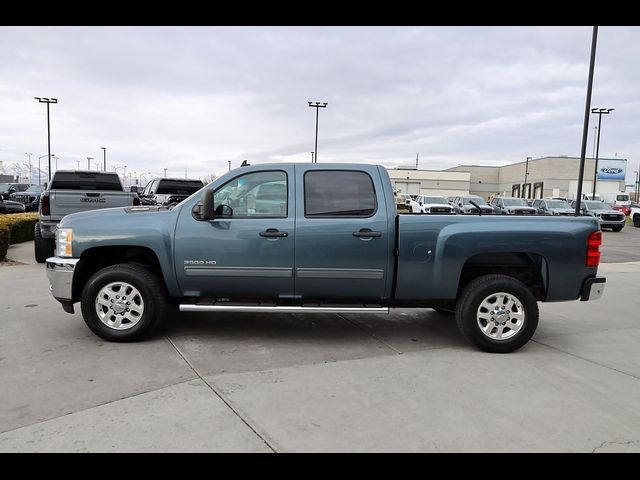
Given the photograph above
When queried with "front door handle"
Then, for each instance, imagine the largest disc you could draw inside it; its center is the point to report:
(366, 233)
(273, 233)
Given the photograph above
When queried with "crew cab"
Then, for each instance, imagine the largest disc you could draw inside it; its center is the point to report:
(74, 191)
(318, 238)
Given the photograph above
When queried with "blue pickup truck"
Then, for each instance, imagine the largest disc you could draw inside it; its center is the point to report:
(318, 238)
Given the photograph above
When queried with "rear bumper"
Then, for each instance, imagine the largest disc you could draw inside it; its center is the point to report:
(60, 274)
(48, 228)
(593, 288)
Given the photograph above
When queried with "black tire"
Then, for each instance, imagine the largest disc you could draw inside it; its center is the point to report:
(43, 247)
(482, 288)
(151, 289)
(616, 229)
(636, 220)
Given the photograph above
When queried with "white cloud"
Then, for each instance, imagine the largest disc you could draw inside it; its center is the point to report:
(197, 97)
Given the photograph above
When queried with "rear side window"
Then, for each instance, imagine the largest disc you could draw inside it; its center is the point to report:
(178, 187)
(86, 181)
(338, 193)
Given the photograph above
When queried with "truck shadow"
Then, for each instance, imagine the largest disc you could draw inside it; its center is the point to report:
(398, 332)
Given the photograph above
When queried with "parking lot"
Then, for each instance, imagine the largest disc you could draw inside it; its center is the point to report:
(330, 382)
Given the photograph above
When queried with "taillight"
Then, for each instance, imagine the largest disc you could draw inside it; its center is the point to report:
(45, 206)
(593, 249)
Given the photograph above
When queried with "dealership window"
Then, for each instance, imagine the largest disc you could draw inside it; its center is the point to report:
(338, 193)
(259, 194)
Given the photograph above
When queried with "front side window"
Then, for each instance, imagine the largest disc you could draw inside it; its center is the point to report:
(259, 194)
(336, 193)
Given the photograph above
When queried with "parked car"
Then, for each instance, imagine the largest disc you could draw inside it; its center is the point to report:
(626, 209)
(463, 205)
(9, 206)
(607, 216)
(336, 244)
(30, 197)
(169, 191)
(550, 206)
(635, 214)
(512, 206)
(433, 204)
(74, 191)
(403, 202)
(7, 189)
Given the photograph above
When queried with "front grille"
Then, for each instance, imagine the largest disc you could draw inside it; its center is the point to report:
(440, 210)
(21, 198)
(612, 217)
(524, 212)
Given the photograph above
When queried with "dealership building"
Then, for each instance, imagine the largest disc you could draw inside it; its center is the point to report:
(545, 177)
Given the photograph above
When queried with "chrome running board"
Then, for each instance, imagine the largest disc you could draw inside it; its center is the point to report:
(279, 309)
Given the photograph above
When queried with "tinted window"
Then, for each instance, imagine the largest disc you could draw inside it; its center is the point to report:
(338, 194)
(259, 194)
(622, 198)
(179, 187)
(86, 181)
(478, 200)
(515, 202)
(434, 200)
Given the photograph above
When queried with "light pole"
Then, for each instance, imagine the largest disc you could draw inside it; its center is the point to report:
(526, 174)
(165, 172)
(29, 154)
(317, 106)
(311, 157)
(637, 184)
(97, 164)
(40, 158)
(229, 164)
(599, 112)
(78, 162)
(89, 162)
(48, 101)
(53, 155)
(104, 158)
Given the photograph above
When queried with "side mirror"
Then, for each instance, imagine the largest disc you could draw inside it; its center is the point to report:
(460, 204)
(208, 212)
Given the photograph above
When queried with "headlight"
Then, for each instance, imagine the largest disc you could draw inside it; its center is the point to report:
(64, 239)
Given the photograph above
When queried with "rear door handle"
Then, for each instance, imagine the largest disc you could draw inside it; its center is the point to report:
(273, 233)
(367, 233)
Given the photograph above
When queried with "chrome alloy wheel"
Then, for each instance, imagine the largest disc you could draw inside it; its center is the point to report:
(119, 305)
(500, 316)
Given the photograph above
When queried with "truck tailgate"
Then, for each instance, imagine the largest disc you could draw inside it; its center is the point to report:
(65, 202)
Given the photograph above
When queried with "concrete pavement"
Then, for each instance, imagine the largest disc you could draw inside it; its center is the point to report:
(403, 382)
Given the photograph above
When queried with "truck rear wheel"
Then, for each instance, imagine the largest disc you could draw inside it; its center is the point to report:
(123, 303)
(497, 313)
(43, 247)
(636, 220)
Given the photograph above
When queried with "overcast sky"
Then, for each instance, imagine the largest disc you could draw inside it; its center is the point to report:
(197, 97)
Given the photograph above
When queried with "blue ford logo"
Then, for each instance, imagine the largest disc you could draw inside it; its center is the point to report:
(611, 170)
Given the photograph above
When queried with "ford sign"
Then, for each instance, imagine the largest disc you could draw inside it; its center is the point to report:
(611, 170)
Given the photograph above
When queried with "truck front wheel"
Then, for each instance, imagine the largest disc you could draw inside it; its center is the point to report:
(123, 303)
(636, 220)
(497, 313)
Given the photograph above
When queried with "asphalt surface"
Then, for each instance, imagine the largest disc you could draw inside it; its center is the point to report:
(290, 383)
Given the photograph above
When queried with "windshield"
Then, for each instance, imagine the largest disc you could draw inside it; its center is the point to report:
(595, 205)
(4, 187)
(478, 200)
(438, 200)
(515, 202)
(622, 198)
(34, 189)
(557, 204)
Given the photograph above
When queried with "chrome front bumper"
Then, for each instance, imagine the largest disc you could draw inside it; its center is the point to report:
(60, 275)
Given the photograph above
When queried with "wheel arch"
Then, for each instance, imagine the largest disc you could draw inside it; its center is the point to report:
(95, 259)
(530, 268)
